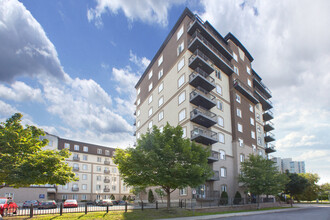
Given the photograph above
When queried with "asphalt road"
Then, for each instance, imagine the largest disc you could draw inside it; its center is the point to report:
(320, 212)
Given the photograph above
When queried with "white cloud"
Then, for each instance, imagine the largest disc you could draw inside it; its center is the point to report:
(149, 11)
(142, 63)
(20, 91)
(6, 110)
(126, 80)
(27, 50)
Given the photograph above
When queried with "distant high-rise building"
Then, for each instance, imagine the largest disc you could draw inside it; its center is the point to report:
(287, 164)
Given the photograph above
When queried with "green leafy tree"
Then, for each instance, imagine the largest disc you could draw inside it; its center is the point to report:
(139, 191)
(24, 162)
(112, 197)
(312, 190)
(124, 198)
(151, 197)
(237, 198)
(260, 176)
(164, 159)
(296, 185)
(160, 192)
(223, 198)
(325, 191)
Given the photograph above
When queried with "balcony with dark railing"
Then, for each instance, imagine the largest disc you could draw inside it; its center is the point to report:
(215, 177)
(106, 190)
(268, 126)
(203, 117)
(106, 162)
(268, 115)
(214, 157)
(75, 189)
(75, 168)
(106, 180)
(258, 84)
(270, 148)
(265, 102)
(269, 137)
(202, 79)
(204, 136)
(199, 59)
(76, 158)
(245, 90)
(201, 97)
(197, 41)
(207, 195)
(218, 44)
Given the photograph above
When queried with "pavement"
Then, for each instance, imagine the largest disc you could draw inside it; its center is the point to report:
(296, 207)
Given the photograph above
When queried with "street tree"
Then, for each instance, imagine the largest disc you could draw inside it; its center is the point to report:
(160, 192)
(24, 162)
(312, 190)
(164, 159)
(260, 176)
(138, 191)
(296, 185)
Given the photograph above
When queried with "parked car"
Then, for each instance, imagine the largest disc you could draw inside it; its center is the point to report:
(7, 206)
(104, 202)
(70, 203)
(47, 204)
(28, 203)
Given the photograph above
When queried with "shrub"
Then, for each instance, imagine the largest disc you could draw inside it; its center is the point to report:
(223, 198)
(237, 198)
(151, 197)
(124, 198)
(112, 197)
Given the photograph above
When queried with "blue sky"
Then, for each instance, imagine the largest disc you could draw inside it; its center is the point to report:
(70, 66)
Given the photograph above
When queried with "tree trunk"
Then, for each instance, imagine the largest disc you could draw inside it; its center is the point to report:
(258, 202)
(168, 194)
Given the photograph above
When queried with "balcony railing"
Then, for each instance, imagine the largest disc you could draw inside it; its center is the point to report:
(204, 136)
(106, 162)
(76, 158)
(203, 117)
(213, 157)
(199, 59)
(106, 180)
(215, 177)
(268, 115)
(75, 189)
(107, 171)
(200, 97)
(106, 190)
(244, 90)
(258, 84)
(265, 102)
(268, 126)
(207, 195)
(270, 148)
(269, 137)
(202, 79)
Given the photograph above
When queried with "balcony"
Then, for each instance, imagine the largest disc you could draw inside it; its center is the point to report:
(75, 168)
(198, 59)
(201, 97)
(204, 136)
(202, 79)
(244, 90)
(221, 47)
(107, 171)
(268, 115)
(215, 176)
(106, 180)
(207, 195)
(262, 88)
(203, 117)
(75, 189)
(214, 157)
(106, 162)
(266, 104)
(106, 190)
(198, 42)
(134, 123)
(270, 148)
(269, 137)
(76, 158)
(268, 126)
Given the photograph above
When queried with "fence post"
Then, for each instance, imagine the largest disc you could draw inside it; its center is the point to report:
(107, 207)
(125, 206)
(61, 209)
(156, 204)
(31, 211)
(85, 208)
(185, 203)
(142, 206)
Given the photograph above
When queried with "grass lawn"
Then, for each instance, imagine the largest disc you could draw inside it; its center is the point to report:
(147, 214)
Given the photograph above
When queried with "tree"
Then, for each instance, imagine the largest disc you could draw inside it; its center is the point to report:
(164, 159)
(237, 198)
(260, 176)
(160, 192)
(124, 198)
(23, 161)
(296, 185)
(112, 197)
(138, 191)
(325, 191)
(151, 197)
(311, 191)
(223, 198)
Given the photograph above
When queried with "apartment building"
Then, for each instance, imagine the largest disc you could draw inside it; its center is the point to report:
(205, 83)
(287, 164)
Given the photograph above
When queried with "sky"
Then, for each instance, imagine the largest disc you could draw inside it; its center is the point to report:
(70, 66)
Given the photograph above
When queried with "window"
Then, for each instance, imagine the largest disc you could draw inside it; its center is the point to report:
(85, 149)
(254, 148)
(84, 186)
(85, 157)
(160, 73)
(184, 132)
(182, 97)
(160, 115)
(138, 124)
(98, 187)
(181, 81)
(161, 129)
(83, 197)
(221, 138)
(99, 151)
(222, 155)
(239, 127)
(259, 129)
(161, 87)
(114, 170)
(239, 112)
(241, 143)
(218, 74)
(260, 153)
(181, 64)
(220, 121)
(107, 152)
(84, 176)
(241, 53)
(67, 146)
(150, 99)
(98, 168)
(253, 134)
(182, 115)
(138, 102)
(114, 179)
(223, 188)
(99, 159)
(138, 91)
(150, 112)
(241, 157)
(238, 98)
(259, 141)
(150, 87)
(85, 167)
(249, 82)
(98, 197)
(150, 125)
(235, 57)
(64, 197)
(251, 121)
(258, 117)
(223, 172)
(66, 186)
(219, 89)
(179, 34)
(138, 112)
(220, 105)
(248, 70)
(76, 166)
(160, 61)
(76, 147)
(138, 135)
(160, 101)
(251, 108)
(236, 70)
(150, 74)
(50, 143)
(183, 192)
(180, 48)
(114, 188)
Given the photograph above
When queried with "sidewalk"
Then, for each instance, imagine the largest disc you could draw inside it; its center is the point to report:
(236, 214)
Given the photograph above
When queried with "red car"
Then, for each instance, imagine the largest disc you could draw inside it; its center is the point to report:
(7, 205)
(70, 203)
